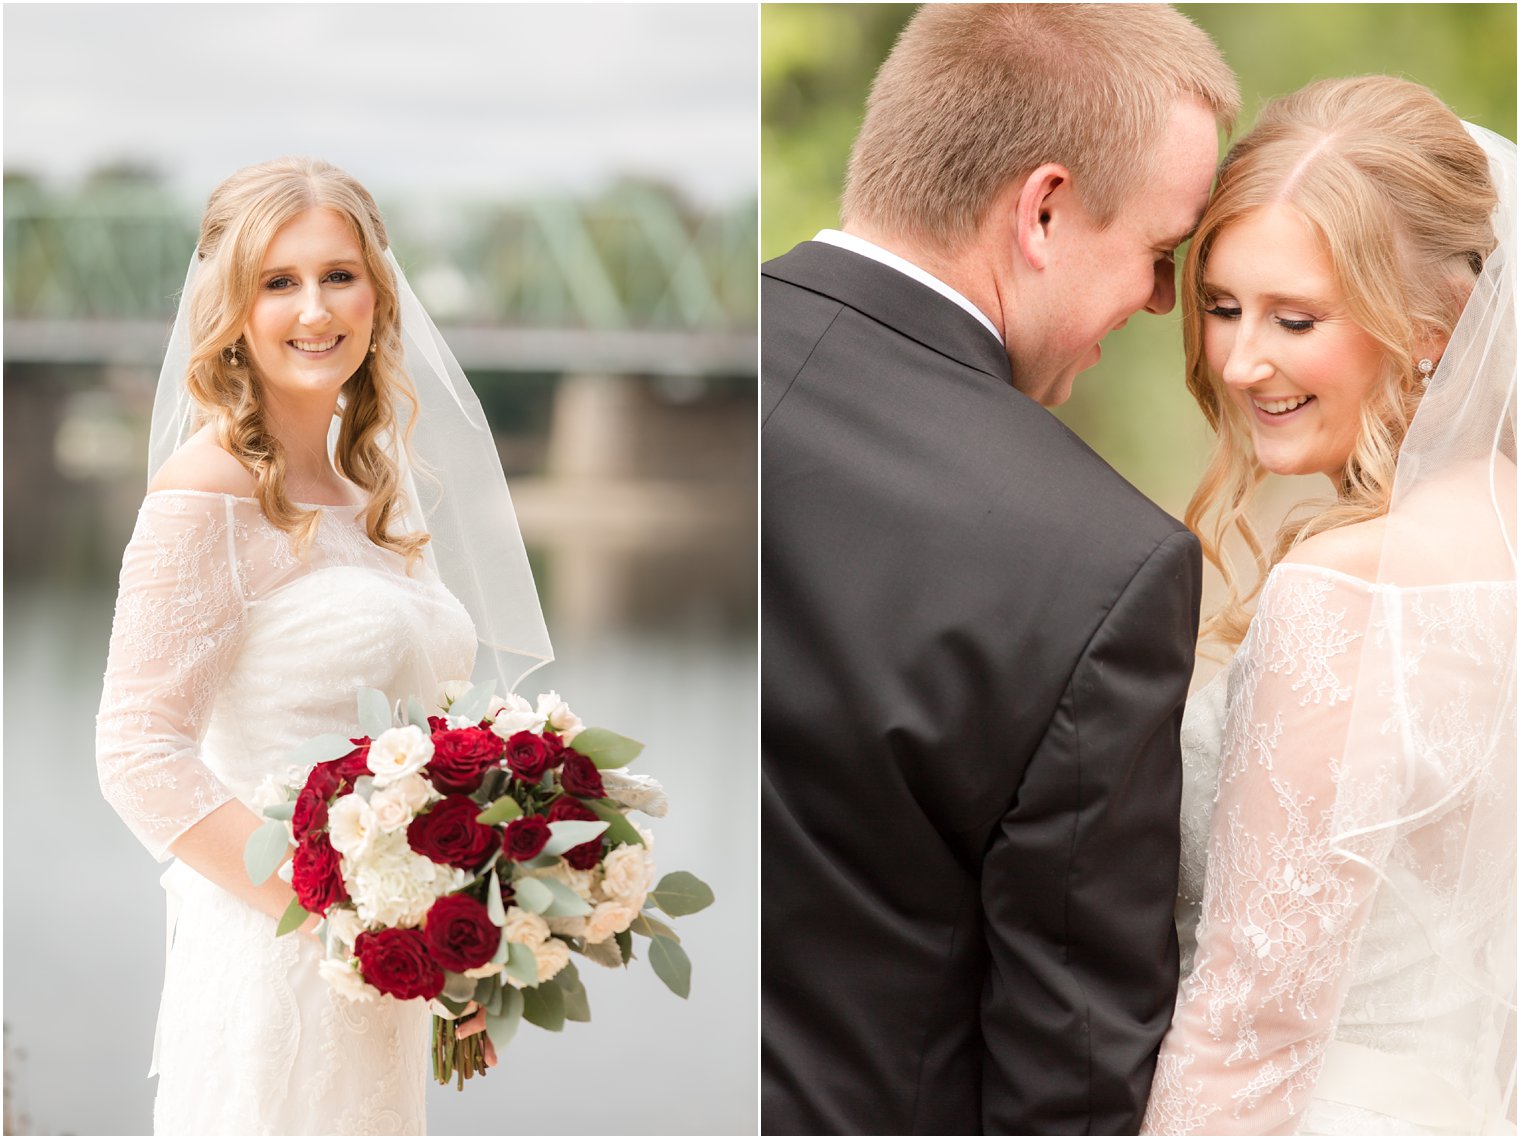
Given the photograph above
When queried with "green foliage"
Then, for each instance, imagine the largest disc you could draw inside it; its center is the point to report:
(291, 919)
(374, 712)
(265, 850)
(681, 892)
(607, 749)
(545, 1006)
(568, 833)
(671, 965)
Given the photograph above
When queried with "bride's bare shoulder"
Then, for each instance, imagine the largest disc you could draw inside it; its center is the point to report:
(202, 465)
(1352, 550)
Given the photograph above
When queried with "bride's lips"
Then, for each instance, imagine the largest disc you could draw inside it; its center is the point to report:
(316, 349)
(1275, 418)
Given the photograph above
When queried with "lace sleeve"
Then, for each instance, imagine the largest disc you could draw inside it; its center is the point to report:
(179, 620)
(1294, 857)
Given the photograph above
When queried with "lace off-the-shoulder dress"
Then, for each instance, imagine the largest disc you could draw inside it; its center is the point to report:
(229, 650)
(1347, 909)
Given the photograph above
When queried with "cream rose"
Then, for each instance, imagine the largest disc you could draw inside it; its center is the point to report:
(552, 956)
(399, 752)
(524, 928)
(608, 918)
(513, 714)
(557, 715)
(628, 872)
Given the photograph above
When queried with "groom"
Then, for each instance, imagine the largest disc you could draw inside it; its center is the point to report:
(976, 636)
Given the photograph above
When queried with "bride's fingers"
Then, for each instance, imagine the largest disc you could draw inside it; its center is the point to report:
(489, 1049)
(470, 1025)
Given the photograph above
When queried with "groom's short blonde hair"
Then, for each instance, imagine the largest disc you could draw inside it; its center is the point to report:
(974, 96)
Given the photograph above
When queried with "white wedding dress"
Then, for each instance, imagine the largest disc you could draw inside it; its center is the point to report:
(227, 652)
(1347, 897)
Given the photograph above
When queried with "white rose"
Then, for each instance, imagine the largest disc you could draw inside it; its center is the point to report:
(351, 827)
(398, 753)
(638, 792)
(391, 808)
(628, 874)
(457, 722)
(287, 871)
(552, 956)
(557, 715)
(448, 692)
(524, 928)
(344, 925)
(271, 790)
(512, 715)
(607, 919)
(489, 969)
(344, 977)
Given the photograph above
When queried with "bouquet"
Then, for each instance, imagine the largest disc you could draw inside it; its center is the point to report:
(462, 858)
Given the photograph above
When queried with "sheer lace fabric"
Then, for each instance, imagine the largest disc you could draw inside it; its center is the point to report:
(228, 650)
(1348, 878)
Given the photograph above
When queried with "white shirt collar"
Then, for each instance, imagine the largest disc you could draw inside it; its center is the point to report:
(886, 257)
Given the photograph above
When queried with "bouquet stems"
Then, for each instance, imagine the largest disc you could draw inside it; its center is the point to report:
(455, 1057)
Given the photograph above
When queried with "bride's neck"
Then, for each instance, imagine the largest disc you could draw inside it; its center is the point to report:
(302, 434)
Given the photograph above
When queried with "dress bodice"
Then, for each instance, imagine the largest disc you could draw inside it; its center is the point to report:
(230, 648)
(1348, 863)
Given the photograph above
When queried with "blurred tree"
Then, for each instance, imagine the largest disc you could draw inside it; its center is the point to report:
(816, 66)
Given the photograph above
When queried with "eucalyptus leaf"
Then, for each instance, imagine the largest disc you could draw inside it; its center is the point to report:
(455, 1007)
(652, 927)
(671, 965)
(265, 850)
(680, 893)
(625, 946)
(504, 810)
(577, 1007)
(502, 949)
(282, 811)
(488, 995)
(619, 829)
(566, 902)
(416, 715)
(522, 966)
(458, 987)
(545, 1007)
(607, 954)
(606, 749)
(533, 894)
(319, 749)
(473, 704)
(494, 908)
(291, 919)
(503, 1025)
(568, 833)
(374, 712)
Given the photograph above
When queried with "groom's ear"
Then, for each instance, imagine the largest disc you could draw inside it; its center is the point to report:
(1038, 197)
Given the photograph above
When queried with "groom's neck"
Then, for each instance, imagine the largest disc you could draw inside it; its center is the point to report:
(968, 270)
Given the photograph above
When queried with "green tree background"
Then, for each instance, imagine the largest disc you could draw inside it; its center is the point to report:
(817, 61)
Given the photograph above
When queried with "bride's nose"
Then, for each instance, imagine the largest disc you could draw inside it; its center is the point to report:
(314, 311)
(1245, 363)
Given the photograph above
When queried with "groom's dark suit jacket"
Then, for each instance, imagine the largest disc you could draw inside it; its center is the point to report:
(976, 642)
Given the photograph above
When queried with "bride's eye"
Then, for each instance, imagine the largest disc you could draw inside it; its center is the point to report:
(1295, 325)
(278, 283)
(1225, 312)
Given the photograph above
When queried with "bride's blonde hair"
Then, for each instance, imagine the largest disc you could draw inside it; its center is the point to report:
(1400, 195)
(242, 217)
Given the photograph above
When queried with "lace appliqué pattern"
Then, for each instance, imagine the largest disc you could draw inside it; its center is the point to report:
(1332, 877)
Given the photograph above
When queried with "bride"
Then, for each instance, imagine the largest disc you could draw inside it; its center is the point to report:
(1347, 903)
(314, 443)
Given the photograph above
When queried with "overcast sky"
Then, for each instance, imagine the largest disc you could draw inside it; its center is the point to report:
(434, 101)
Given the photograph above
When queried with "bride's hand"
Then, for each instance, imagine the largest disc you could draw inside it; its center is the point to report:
(473, 1021)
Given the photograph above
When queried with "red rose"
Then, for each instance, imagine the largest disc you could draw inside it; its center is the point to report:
(556, 746)
(587, 854)
(449, 833)
(316, 878)
(324, 780)
(310, 813)
(528, 756)
(580, 777)
(460, 933)
(437, 724)
(525, 838)
(461, 756)
(396, 961)
(356, 762)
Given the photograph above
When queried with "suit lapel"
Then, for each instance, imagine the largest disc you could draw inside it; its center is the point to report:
(894, 299)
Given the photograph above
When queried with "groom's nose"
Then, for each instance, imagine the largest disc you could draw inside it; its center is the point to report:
(1163, 288)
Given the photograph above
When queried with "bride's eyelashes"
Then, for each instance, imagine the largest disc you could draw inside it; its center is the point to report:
(1292, 324)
